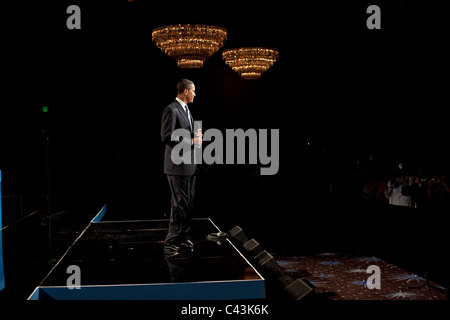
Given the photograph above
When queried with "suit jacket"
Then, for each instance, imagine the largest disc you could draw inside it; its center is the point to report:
(174, 117)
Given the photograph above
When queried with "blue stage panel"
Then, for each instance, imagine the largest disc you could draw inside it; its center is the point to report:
(221, 290)
(1, 227)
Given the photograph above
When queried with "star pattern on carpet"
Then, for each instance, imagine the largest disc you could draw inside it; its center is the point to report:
(345, 277)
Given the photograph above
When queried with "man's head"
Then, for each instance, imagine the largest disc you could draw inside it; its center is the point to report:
(186, 90)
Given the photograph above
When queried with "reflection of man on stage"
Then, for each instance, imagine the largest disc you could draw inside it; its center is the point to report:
(181, 177)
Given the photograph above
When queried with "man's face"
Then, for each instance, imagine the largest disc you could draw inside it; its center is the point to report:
(190, 94)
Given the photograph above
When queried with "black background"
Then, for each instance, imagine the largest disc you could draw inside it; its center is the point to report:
(339, 93)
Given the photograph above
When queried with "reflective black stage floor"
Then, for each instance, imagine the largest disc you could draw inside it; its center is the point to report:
(126, 260)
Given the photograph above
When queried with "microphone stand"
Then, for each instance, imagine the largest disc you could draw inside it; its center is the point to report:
(47, 169)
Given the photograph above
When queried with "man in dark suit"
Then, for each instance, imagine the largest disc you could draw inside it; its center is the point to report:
(181, 176)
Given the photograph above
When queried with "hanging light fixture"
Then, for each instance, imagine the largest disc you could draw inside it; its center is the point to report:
(189, 45)
(250, 62)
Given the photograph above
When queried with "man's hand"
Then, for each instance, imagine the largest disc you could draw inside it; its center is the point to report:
(198, 138)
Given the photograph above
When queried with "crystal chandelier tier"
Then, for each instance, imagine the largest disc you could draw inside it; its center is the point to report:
(189, 45)
(250, 62)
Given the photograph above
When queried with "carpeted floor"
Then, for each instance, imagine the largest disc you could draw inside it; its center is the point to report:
(343, 277)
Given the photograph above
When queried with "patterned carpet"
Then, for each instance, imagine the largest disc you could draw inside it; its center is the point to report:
(343, 277)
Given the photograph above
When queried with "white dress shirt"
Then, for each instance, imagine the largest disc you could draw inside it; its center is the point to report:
(182, 103)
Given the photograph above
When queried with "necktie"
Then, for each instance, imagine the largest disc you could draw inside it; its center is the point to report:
(189, 116)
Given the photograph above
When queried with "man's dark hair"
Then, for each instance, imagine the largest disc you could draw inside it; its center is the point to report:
(184, 84)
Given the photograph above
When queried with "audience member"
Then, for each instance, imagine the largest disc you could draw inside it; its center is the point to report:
(408, 189)
(398, 192)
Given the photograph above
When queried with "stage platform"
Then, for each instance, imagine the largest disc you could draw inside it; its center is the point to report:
(125, 260)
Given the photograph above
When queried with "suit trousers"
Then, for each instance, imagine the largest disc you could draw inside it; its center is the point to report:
(183, 190)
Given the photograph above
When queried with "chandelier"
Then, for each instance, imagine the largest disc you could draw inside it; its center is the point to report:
(250, 62)
(189, 45)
